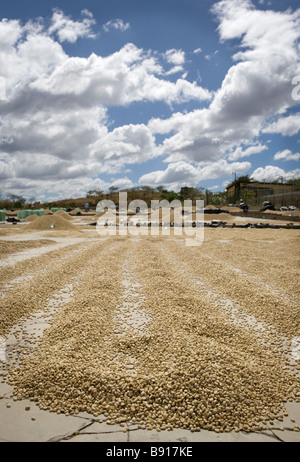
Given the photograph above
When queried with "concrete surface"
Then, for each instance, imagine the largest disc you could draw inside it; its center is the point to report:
(23, 421)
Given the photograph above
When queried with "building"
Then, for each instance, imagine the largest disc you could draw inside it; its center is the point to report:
(255, 192)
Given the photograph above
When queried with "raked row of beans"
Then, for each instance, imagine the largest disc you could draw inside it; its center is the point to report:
(189, 365)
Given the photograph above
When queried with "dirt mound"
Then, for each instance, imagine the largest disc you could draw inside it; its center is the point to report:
(210, 207)
(63, 214)
(75, 211)
(31, 217)
(47, 222)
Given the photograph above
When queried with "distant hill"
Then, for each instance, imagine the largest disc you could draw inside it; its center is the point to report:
(147, 196)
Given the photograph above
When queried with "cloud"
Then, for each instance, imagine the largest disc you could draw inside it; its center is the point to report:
(126, 144)
(287, 126)
(53, 125)
(222, 168)
(174, 56)
(117, 24)
(286, 155)
(197, 50)
(5, 171)
(254, 149)
(176, 175)
(181, 173)
(256, 87)
(49, 190)
(272, 173)
(54, 120)
(62, 133)
(174, 70)
(54, 133)
(121, 78)
(25, 54)
(122, 183)
(10, 33)
(68, 30)
(210, 56)
(87, 13)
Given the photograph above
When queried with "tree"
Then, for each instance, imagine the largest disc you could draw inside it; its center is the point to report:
(113, 189)
(171, 196)
(241, 179)
(148, 193)
(187, 192)
(95, 193)
(16, 200)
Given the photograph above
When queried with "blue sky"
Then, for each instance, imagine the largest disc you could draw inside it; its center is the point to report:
(128, 93)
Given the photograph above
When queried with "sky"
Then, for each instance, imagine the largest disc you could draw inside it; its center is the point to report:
(130, 93)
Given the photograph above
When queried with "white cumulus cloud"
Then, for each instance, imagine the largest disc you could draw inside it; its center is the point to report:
(272, 173)
(68, 30)
(286, 154)
(174, 56)
(255, 88)
(54, 108)
(287, 126)
(181, 173)
(249, 151)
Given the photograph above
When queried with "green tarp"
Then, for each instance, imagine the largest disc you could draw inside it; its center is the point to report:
(25, 213)
(54, 209)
